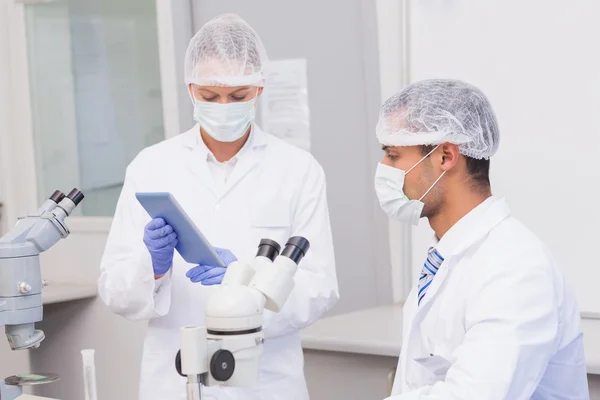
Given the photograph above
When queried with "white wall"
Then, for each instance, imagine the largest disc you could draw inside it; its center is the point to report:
(538, 62)
(347, 104)
(392, 32)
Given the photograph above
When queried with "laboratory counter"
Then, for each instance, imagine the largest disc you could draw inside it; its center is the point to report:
(374, 331)
(58, 292)
(361, 349)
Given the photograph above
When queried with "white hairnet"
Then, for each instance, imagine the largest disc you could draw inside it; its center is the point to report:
(440, 111)
(226, 52)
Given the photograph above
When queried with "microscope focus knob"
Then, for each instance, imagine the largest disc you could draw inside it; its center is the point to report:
(222, 365)
(24, 287)
(178, 363)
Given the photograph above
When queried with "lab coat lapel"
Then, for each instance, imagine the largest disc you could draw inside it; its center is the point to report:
(437, 282)
(413, 346)
(497, 213)
(416, 314)
(195, 159)
(248, 160)
(410, 309)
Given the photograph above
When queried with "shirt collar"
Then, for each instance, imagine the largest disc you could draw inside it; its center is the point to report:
(233, 160)
(192, 139)
(450, 242)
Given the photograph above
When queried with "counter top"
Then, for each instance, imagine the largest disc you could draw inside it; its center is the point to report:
(57, 292)
(375, 331)
(378, 331)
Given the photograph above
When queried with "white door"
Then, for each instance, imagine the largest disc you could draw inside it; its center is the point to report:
(88, 96)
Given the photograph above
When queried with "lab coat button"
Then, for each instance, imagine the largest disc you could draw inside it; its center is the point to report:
(217, 206)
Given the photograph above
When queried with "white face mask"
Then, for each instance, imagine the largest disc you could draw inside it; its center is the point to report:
(225, 122)
(389, 186)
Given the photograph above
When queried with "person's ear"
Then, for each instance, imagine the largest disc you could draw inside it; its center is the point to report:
(450, 155)
(260, 90)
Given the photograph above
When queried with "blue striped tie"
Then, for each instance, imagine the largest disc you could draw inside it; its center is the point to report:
(430, 268)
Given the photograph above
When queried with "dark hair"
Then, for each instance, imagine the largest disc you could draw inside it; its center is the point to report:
(479, 170)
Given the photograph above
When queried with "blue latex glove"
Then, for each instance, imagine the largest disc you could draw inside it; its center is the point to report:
(160, 240)
(208, 274)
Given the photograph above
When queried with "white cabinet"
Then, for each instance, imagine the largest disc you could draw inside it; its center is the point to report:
(334, 375)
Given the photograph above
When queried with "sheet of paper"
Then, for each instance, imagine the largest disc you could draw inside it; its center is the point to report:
(284, 108)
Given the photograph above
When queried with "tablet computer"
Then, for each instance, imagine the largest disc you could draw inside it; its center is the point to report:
(192, 245)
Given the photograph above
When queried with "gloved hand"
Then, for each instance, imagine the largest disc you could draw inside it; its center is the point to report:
(160, 240)
(211, 275)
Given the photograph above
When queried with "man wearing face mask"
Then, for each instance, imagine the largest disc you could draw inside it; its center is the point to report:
(239, 185)
(490, 316)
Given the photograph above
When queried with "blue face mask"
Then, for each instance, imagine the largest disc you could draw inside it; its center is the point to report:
(225, 122)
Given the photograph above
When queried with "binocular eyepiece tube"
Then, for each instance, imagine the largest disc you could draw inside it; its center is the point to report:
(57, 196)
(74, 195)
(268, 248)
(295, 249)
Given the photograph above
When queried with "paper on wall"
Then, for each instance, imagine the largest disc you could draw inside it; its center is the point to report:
(284, 105)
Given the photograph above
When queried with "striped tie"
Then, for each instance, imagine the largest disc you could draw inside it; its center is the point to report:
(430, 268)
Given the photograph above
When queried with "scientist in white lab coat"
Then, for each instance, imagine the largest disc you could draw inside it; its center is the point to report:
(239, 184)
(491, 315)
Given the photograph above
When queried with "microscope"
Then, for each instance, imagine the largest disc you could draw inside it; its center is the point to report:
(227, 351)
(21, 281)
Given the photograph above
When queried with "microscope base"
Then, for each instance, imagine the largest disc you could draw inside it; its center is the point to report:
(11, 392)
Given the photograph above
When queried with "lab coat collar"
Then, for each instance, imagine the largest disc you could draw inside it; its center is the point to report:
(470, 227)
(465, 233)
(196, 159)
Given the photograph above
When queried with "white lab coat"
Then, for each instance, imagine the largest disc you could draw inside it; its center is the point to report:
(497, 322)
(275, 191)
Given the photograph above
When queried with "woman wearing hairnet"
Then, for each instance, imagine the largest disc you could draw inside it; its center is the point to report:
(239, 185)
(490, 316)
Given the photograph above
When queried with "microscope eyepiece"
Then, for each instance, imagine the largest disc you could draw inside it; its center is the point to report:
(76, 196)
(296, 248)
(57, 196)
(268, 248)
